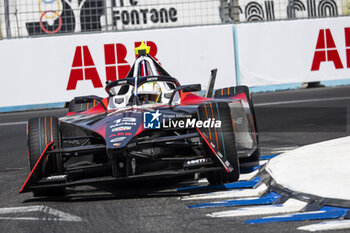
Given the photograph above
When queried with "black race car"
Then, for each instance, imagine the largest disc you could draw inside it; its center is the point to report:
(148, 127)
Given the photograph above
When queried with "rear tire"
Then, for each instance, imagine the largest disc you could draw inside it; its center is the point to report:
(40, 132)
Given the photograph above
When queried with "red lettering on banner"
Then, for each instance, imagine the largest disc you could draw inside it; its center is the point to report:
(326, 51)
(83, 68)
(347, 45)
(115, 61)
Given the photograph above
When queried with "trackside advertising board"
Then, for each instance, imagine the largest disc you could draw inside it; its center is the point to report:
(45, 17)
(56, 69)
(166, 13)
(259, 10)
(294, 51)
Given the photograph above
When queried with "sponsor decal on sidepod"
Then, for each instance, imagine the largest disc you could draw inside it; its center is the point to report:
(118, 139)
(129, 119)
(121, 128)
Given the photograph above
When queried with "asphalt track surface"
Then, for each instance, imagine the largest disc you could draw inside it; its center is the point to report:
(286, 120)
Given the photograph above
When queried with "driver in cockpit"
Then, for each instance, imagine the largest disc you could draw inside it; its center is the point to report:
(150, 93)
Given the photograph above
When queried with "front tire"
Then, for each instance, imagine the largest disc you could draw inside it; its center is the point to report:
(223, 138)
(40, 132)
(219, 177)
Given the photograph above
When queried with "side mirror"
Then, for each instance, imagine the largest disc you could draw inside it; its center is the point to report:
(210, 89)
(185, 88)
(189, 88)
(89, 98)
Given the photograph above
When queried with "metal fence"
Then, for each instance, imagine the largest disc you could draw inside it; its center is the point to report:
(26, 18)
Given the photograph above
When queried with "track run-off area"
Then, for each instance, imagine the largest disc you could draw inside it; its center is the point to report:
(287, 121)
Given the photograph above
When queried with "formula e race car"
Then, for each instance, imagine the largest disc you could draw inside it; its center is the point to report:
(148, 127)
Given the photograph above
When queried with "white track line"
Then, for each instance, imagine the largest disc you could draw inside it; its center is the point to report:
(248, 176)
(327, 225)
(301, 101)
(251, 175)
(290, 206)
(13, 123)
(56, 215)
(262, 162)
(241, 193)
(278, 150)
(194, 182)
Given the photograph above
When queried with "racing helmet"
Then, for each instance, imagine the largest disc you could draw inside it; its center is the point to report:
(147, 66)
(149, 93)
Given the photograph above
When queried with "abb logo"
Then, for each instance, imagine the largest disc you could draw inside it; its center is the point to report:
(83, 67)
(326, 51)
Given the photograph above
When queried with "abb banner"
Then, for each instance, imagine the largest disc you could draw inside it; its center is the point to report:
(294, 51)
(56, 69)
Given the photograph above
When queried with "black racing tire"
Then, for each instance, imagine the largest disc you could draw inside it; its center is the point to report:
(224, 141)
(219, 177)
(40, 132)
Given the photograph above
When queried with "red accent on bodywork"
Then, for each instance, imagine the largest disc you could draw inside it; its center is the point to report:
(35, 166)
(71, 113)
(101, 131)
(98, 108)
(188, 98)
(239, 96)
(140, 130)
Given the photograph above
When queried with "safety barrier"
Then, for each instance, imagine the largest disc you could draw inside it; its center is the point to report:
(56, 69)
(293, 51)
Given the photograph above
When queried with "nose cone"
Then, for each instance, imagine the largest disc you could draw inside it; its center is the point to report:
(122, 127)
